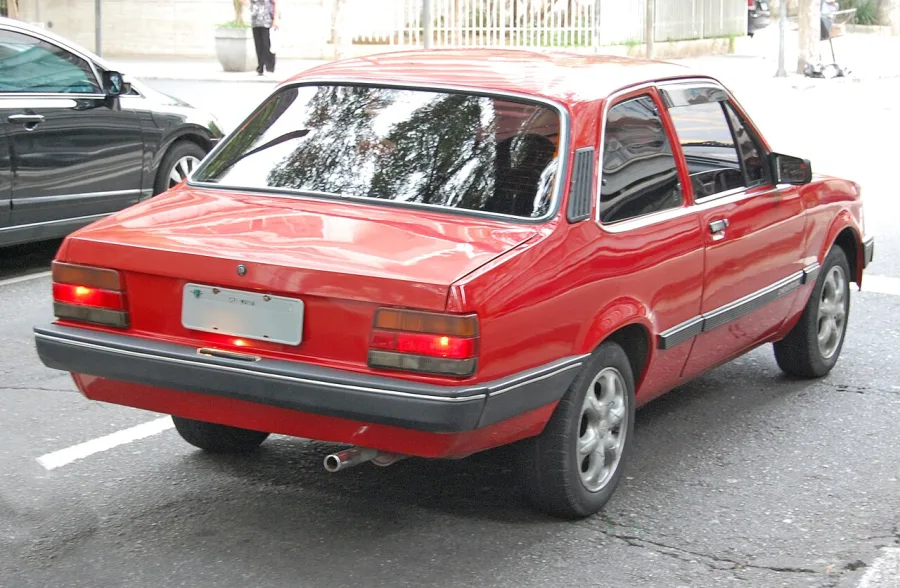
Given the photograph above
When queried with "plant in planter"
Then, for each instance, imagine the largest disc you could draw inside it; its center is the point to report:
(234, 42)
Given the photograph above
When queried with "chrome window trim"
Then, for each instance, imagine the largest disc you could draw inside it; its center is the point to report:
(697, 204)
(559, 182)
(65, 47)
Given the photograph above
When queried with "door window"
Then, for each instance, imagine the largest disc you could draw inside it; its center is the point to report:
(755, 166)
(28, 64)
(709, 148)
(639, 175)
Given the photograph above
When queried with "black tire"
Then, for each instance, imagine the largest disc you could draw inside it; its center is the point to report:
(799, 354)
(177, 151)
(218, 438)
(551, 464)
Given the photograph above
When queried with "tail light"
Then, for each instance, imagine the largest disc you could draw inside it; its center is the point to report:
(88, 294)
(424, 342)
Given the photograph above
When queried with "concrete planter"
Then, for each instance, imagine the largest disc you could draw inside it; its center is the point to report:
(234, 49)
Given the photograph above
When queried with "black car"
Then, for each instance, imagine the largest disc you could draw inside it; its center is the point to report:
(79, 141)
(758, 15)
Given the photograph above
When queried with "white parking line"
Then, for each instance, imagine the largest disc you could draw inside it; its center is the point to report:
(66, 456)
(8, 281)
(884, 571)
(881, 284)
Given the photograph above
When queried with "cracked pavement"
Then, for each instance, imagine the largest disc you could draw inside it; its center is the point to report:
(740, 478)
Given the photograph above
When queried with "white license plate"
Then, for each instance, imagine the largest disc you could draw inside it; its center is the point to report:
(239, 313)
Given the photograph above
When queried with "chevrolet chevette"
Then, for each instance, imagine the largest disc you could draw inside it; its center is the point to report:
(437, 253)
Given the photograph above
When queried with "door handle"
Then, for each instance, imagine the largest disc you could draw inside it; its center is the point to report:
(29, 120)
(717, 226)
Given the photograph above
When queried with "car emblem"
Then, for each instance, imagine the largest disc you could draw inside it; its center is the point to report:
(242, 269)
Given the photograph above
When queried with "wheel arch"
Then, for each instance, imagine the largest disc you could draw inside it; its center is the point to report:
(626, 323)
(844, 233)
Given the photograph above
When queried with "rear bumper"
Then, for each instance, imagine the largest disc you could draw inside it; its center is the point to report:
(303, 387)
(868, 251)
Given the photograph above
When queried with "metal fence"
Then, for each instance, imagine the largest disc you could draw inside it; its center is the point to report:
(541, 23)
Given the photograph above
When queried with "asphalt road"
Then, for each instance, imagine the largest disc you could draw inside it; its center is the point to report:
(740, 478)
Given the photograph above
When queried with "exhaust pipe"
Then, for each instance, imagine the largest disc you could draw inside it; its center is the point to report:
(353, 456)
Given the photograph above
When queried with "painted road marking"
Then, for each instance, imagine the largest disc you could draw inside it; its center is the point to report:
(884, 571)
(9, 281)
(57, 459)
(881, 284)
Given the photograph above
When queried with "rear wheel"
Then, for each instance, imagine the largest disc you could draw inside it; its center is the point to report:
(180, 160)
(217, 438)
(813, 346)
(572, 468)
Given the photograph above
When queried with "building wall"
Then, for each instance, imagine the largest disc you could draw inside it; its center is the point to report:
(183, 28)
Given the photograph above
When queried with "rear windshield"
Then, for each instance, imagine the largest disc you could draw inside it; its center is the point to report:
(442, 149)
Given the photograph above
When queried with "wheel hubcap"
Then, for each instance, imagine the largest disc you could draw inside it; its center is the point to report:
(602, 430)
(182, 168)
(832, 312)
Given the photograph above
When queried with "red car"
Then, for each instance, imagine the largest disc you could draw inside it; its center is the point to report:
(436, 253)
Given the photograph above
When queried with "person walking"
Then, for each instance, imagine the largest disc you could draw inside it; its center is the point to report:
(264, 17)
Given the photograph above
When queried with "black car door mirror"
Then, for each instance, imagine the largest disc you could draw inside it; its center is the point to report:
(790, 170)
(114, 84)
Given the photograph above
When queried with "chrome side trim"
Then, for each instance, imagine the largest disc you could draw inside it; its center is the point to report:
(77, 219)
(681, 333)
(575, 363)
(565, 132)
(734, 310)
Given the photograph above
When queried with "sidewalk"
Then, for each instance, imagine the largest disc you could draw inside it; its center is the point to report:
(754, 61)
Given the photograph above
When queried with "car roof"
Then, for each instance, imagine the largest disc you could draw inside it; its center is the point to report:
(563, 77)
(51, 36)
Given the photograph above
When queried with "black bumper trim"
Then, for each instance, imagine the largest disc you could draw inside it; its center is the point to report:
(869, 251)
(303, 387)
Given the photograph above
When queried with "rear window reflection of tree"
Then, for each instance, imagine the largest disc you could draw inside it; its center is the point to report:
(442, 149)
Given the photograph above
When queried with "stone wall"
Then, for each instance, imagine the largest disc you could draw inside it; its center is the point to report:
(182, 28)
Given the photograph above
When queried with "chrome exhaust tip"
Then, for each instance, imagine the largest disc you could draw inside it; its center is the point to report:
(336, 462)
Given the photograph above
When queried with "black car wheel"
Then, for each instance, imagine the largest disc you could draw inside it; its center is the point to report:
(181, 159)
(573, 467)
(813, 346)
(216, 438)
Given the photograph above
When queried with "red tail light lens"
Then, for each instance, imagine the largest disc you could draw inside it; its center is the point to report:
(424, 342)
(88, 294)
(84, 296)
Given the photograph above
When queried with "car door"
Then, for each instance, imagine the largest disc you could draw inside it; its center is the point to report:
(76, 155)
(5, 184)
(654, 245)
(754, 230)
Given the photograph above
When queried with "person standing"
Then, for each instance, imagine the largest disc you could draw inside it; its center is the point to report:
(264, 16)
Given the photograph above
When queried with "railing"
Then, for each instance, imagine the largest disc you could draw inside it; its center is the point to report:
(541, 23)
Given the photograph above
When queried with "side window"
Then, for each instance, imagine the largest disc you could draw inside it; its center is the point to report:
(639, 174)
(28, 64)
(751, 155)
(709, 148)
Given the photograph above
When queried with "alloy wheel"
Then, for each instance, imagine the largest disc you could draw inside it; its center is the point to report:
(602, 429)
(182, 169)
(832, 312)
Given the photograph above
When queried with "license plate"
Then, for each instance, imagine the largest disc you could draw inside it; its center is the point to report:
(239, 313)
(763, 5)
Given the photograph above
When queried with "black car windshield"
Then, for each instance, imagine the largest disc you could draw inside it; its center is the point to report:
(444, 149)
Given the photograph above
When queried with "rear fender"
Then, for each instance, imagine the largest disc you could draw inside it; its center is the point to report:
(619, 313)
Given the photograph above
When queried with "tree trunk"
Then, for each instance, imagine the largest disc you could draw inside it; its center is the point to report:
(340, 36)
(809, 21)
(12, 8)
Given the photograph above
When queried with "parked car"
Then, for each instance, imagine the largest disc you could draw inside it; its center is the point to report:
(79, 141)
(437, 253)
(758, 16)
